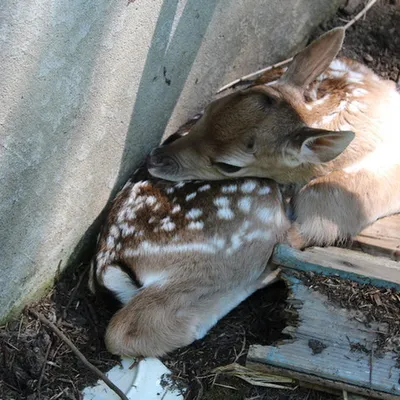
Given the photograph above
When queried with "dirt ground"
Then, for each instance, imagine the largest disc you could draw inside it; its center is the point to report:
(36, 364)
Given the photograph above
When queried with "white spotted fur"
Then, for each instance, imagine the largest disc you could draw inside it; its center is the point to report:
(202, 252)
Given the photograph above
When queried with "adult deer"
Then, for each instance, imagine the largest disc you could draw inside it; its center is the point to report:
(330, 126)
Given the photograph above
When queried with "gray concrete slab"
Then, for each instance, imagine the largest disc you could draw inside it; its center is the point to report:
(89, 86)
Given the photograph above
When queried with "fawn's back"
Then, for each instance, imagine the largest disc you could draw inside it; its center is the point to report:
(179, 256)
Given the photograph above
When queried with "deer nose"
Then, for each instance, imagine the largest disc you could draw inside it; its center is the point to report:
(157, 159)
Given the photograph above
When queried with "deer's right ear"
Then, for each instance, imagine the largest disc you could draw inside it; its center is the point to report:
(316, 146)
(314, 59)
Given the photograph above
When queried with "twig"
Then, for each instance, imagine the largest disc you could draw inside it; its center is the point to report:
(39, 385)
(284, 62)
(74, 349)
(360, 14)
(201, 389)
(20, 326)
(75, 292)
(253, 75)
(242, 350)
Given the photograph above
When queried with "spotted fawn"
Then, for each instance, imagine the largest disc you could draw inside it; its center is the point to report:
(329, 126)
(179, 256)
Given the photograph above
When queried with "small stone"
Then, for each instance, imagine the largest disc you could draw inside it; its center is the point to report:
(351, 6)
(368, 58)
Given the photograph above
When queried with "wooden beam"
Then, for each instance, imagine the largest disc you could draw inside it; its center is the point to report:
(381, 239)
(317, 383)
(344, 263)
(330, 346)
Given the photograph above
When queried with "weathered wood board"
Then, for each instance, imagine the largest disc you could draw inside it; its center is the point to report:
(345, 263)
(381, 239)
(349, 356)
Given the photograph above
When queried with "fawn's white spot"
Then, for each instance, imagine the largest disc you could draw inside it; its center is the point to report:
(264, 190)
(119, 283)
(359, 92)
(219, 242)
(176, 209)
(204, 188)
(338, 65)
(328, 118)
(180, 185)
(194, 213)
(308, 106)
(258, 234)
(229, 189)
(152, 220)
(320, 101)
(143, 184)
(191, 196)
(342, 105)
(221, 202)
(167, 225)
(248, 187)
(110, 242)
(114, 231)
(196, 225)
(150, 248)
(170, 190)
(355, 77)
(151, 200)
(127, 213)
(244, 204)
(236, 242)
(127, 230)
(336, 74)
(237, 238)
(355, 107)
(225, 213)
(264, 214)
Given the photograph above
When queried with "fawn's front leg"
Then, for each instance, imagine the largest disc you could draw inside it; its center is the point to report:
(337, 207)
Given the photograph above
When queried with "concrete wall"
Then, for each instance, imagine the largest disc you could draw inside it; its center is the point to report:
(89, 86)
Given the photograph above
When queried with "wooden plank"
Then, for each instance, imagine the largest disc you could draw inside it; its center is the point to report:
(381, 239)
(347, 356)
(321, 384)
(345, 263)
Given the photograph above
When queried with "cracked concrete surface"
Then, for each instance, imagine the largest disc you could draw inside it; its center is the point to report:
(88, 87)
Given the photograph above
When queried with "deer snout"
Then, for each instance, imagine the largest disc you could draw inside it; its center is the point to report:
(158, 159)
(162, 165)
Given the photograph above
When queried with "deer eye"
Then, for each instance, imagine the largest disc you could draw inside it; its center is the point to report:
(228, 168)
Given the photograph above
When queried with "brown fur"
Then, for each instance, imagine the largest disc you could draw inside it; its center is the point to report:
(177, 271)
(331, 127)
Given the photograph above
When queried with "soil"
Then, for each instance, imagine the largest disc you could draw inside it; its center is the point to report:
(36, 364)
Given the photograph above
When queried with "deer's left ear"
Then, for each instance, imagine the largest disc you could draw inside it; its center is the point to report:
(314, 59)
(316, 146)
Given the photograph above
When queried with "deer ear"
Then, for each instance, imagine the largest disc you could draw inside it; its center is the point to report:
(314, 59)
(317, 146)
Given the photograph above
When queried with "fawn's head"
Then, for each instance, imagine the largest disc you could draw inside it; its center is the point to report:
(259, 131)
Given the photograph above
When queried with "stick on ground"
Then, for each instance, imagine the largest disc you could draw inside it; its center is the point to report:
(39, 386)
(74, 349)
(284, 62)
